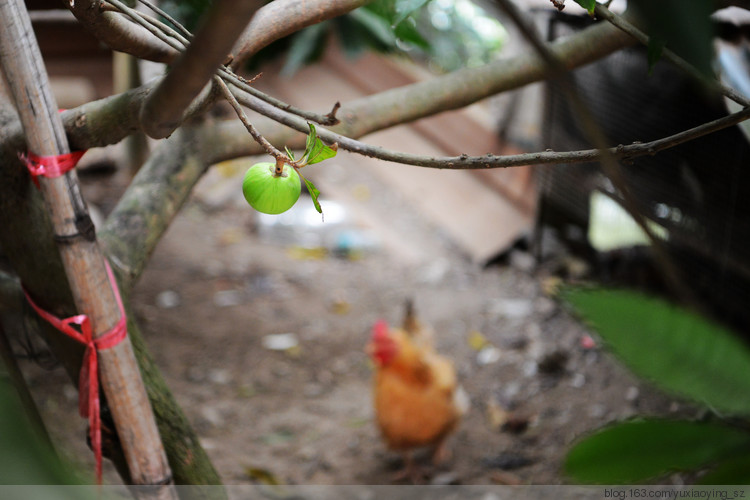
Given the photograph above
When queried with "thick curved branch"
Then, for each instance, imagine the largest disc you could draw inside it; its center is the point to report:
(283, 17)
(107, 121)
(455, 90)
(152, 199)
(163, 109)
(118, 33)
(464, 87)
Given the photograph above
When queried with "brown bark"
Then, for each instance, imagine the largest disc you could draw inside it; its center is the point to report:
(163, 110)
(84, 264)
(284, 17)
(118, 33)
(27, 242)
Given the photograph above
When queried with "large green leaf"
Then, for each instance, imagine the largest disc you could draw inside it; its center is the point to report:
(635, 451)
(404, 8)
(675, 349)
(685, 27)
(25, 458)
(376, 25)
(305, 46)
(587, 4)
(735, 470)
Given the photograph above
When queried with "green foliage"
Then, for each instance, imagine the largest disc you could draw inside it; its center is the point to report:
(732, 470)
(305, 46)
(314, 193)
(685, 27)
(447, 33)
(654, 51)
(315, 152)
(405, 8)
(635, 451)
(24, 457)
(587, 4)
(187, 12)
(679, 352)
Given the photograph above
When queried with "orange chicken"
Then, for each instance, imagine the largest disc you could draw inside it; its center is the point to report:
(417, 400)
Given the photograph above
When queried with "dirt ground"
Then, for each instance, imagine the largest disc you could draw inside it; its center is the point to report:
(224, 283)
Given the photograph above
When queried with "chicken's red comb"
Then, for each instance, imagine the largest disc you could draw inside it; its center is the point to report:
(380, 330)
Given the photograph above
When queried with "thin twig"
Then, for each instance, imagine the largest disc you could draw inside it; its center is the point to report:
(466, 162)
(672, 275)
(270, 149)
(180, 42)
(621, 23)
(184, 31)
(327, 119)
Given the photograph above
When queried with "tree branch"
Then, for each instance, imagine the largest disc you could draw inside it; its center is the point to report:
(180, 40)
(671, 274)
(462, 162)
(119, 34)
(283, 17)
(109, 120)
(163, 109)
(152, 199)
(466, 86)
(267, 146)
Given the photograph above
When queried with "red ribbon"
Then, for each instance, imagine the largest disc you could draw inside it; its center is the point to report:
(50, 166)
(88, 382)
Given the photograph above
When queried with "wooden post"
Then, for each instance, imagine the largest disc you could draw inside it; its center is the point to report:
(84, 263)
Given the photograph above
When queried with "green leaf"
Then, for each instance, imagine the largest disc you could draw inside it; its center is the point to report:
(587, 4)
(289, 153)
(315, 150)
(314, 193)
(376, 25)
(635, 451)
(320, 152)
(677, 350)
(311, 139)
(305, 46)
(686, 27)
(404, 8)
(655, 49)
(735, 470)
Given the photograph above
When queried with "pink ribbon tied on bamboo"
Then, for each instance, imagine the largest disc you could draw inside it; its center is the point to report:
(89, 405)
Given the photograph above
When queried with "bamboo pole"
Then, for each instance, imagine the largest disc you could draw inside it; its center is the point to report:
(84, 263)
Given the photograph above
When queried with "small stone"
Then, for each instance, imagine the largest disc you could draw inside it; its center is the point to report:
(511, 390)
(313, 390)
(444, 479)
(280, 341)
(195, 374)
(512, 308)
(530, 368)
(578, 380)
(632, 393)
(70, 392)
(597, 411)
(339, 366)
(168, 299)
(523, 261)
(227, 298)
(220, 376)
(488, 355)
(212, 416)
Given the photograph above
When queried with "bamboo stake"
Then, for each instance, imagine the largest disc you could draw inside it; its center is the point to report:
(84, 263)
